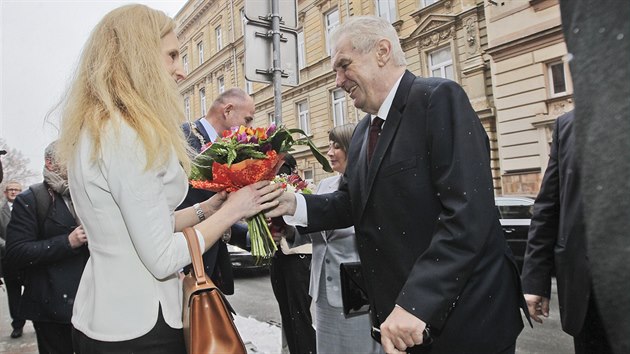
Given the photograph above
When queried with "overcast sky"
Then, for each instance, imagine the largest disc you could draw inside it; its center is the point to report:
(40, 43)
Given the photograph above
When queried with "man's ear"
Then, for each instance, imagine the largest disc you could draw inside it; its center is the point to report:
(383, 51)
(228, 108)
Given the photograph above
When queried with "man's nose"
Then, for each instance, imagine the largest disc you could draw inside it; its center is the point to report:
(340, 79)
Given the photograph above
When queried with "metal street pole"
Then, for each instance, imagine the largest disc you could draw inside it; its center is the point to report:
(277, 68)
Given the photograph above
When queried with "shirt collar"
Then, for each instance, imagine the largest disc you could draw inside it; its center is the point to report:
(212, 134)
(387, 104)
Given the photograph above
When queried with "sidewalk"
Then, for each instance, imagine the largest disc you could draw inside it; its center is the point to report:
(259, 337)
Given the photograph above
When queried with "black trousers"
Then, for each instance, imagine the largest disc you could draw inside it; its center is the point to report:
(290, 275)
(53, 338)
(13, 283)
(593, 337)
(162, 339)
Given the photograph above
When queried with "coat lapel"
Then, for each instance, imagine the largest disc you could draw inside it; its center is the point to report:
(394, 116)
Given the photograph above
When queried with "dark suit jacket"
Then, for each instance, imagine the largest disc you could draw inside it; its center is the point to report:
(427, 230)
(52, 269)
(557, 236)
(216, 260)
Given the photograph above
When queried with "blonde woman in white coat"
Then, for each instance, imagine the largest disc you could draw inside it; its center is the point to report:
(334, 332)
(127, 162)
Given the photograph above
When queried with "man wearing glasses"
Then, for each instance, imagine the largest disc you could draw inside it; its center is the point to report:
(12, 280)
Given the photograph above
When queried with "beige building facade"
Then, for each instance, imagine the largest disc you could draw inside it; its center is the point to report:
(531, 85)
(443, 38)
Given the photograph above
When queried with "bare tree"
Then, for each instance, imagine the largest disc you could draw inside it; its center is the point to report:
(15, 166)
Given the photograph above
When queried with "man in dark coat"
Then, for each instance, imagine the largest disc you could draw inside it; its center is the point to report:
(598, 37)
(233, 107)
(44, 241)
(429, 238)
(557, 241)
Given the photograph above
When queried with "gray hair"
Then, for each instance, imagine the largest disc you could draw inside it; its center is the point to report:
(49, 152)
(365, 32)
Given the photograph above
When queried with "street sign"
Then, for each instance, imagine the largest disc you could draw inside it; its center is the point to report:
(259, 10)
(259, 54)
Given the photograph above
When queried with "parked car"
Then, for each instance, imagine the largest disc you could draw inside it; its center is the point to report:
(239, 248)
(515, 216)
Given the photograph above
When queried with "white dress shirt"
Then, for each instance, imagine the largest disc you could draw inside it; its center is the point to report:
(128, 215)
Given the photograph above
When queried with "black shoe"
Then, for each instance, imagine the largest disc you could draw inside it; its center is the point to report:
(17, 333)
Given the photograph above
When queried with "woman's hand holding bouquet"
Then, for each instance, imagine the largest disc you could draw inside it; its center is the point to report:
(242, 157)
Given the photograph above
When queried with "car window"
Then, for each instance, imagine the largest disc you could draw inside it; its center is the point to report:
(515, 211)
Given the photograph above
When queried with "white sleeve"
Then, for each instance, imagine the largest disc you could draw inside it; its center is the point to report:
(300, 218)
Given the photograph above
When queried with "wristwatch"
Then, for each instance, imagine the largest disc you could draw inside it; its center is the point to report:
(200, 214)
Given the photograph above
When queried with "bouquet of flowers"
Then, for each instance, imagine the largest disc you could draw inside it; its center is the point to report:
(243, 156)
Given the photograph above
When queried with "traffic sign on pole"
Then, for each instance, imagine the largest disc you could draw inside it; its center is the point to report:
(259, 54)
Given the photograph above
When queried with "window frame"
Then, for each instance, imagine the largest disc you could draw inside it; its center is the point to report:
(221, 84)
(200, 52)
(339, 102)
(329, 27)
(551, 80)
(391, 10)
(426, 3)
(311, 179)
(243, 20)
(218, 34)
(303, 116)
(271, 118)
(442, 65)
(202, 101)
(187, 107)
(185, 63)
(301, 44)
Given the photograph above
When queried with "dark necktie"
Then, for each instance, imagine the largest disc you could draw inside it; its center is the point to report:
(375, 131)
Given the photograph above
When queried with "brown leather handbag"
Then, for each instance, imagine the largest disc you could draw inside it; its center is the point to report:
(208, 323)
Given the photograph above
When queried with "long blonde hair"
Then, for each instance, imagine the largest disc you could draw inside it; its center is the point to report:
(121, 72)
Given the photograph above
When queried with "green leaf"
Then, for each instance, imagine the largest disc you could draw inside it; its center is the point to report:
(314, 150)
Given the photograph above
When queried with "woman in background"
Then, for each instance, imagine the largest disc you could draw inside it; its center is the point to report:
(127, 164)
(334, 332)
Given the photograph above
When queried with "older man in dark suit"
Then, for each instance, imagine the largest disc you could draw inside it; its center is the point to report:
(233, 107)
(422, 204)
(557, 241)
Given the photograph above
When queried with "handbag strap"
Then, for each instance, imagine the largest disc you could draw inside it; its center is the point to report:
(195, 255)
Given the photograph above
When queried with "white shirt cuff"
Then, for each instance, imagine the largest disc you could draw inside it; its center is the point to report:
(300, 218)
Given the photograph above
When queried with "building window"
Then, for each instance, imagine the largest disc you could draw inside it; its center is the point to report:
(202, 99)
(185, 63)
(243, 21)
(426, 3)
(219, 36)
(221, 85)
(386, 9)
(332, 21)
(271, 117)
(200, 50)
(308, 176)
(557, 78)
(339, 107)
(301, 50)
(187, 108)
(304, 122)
(441, 63)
